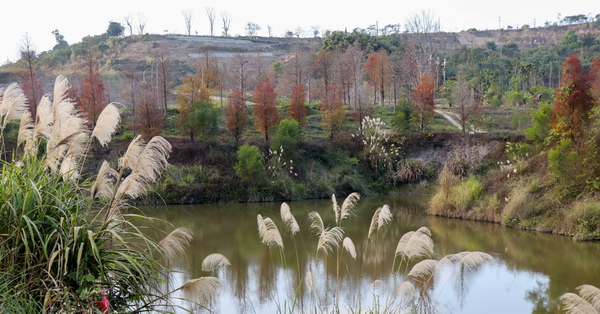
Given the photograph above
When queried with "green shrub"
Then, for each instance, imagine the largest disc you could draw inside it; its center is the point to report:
(585, 217)
(466, 192)
(287, 137)
(250, 166)
(539, 131)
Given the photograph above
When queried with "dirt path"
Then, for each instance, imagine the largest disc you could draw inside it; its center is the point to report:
(451, 117)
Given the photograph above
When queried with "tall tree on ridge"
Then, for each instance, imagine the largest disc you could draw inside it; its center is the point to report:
(29, 73)
(93, 94)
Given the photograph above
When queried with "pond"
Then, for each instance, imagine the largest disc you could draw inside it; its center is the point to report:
(529, 272)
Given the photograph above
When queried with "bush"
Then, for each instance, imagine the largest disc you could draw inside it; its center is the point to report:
(411, 171)
(466, 192)
(250, 166)
(287, 137)
(585, 219)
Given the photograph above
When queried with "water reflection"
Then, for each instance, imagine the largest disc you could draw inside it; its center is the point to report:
(532, 269)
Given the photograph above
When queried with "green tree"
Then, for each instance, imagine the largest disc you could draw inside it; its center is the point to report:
(287, 137)
(203, 121)
(115, 29)
(250, 166)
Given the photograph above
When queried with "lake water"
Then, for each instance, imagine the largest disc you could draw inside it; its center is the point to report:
(530, 271)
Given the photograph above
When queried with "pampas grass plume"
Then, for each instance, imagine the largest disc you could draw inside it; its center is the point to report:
(423, 270)
(107, 124)
(214, 262)
(175, 243)
(288, 218)
(201, 290)
(349, 246)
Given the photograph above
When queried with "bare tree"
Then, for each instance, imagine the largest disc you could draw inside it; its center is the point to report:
(463, 99)
(241, 64)
(270, 30)
(252, 28)
(226, 17)
(422, 23)
(188, 16)
(129, 23)
(141, 22)
(210, 12)
(29, 73)
(163, 77)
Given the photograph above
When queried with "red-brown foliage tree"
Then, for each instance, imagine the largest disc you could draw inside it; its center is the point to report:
(573, 100)
(149, 119)
(30, 76)
(332, 110)
(423, 100)
(298, 105)
(324, 69)
(236, 114)
(265, 109)
(379, 73)
(93, 96)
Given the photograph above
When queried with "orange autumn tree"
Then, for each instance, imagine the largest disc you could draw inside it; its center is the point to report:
(423, 101)
(573, 100)
(191, 91)
(265, 108)
(297, 105)
(379, 73)
(236, 115)
(332, 109)
(93, 96)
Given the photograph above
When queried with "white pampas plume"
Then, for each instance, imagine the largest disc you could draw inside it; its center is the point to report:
(349, 205)
(288, 218)
(336, 208)
(406, 290)
(310, 281)
(68, 168)
(12, 104)
(474, 259)
(316, 223)
(107, 124)
(415, 244)
(576, 304)
(268, 232)
(214, 262)
(381, 217)
(105, 181)
(26, 131)
(146, 163)
(44, 118)
(66, 119)
(175, 243)
(349, 246)
(201, 290)
(591, 294)
(330, 239)
(423, 270)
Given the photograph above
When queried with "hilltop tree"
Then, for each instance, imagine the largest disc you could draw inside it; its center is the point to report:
(573, 100)
(93, 94)
(29, 73)
(265, 109)
(332, 111)
(115, 29)
(129, 22)
(141, 22)
(210, 13)
(226, 17)
(188, 16)
(298, 105)
(423, 100)
(251, 29)
(236, 114)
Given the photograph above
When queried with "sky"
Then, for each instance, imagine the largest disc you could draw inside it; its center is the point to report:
(75, 19)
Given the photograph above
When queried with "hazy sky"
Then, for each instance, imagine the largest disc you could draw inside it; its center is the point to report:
(75, 19)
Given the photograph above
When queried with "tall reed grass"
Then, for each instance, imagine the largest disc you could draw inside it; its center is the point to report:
(65, 240)
(415, 263)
